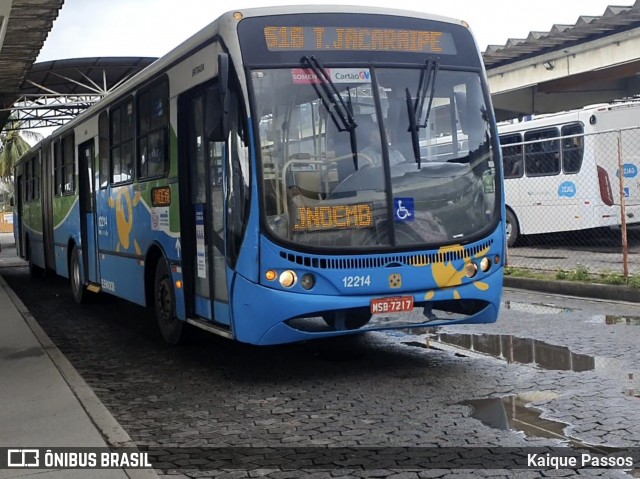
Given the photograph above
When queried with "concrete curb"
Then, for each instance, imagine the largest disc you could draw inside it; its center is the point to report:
(104, 421)
(572, 288)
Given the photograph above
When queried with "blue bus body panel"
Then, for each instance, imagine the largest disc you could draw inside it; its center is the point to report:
(133, 235)
(202, 306)
(430, 276)
(125, 236)
(36, 242)
(222, 312)
(68, 230)
(263, 310)
(125, 278)
(281, 333)
(90, 250)
(430, 270)
(61, 258)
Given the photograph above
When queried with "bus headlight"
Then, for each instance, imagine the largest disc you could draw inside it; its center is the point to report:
(470, 269)
(485, 264)
(288, 278)
(271, 275)
(307, 281)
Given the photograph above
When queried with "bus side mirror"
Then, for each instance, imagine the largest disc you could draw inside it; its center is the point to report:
(223, 75)
(12, 202)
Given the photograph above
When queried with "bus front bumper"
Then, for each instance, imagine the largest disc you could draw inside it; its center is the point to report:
(267, 316)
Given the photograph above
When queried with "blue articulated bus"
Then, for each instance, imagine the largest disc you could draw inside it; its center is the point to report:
(285, 174)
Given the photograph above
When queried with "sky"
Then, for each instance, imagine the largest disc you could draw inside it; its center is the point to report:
(94, 28)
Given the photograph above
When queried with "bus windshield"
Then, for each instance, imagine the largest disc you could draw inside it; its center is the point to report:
(341, 166)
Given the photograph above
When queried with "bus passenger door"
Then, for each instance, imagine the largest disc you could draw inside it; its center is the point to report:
(202, 214)
(86, 158)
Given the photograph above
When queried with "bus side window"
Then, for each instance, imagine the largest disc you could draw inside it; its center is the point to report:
(103, 150)
(152, 133)
(551, 163)
(572, 148)
(512, 156)
(533, 158)
(543, 156)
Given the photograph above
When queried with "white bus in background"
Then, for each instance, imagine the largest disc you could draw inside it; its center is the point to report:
(562, 170)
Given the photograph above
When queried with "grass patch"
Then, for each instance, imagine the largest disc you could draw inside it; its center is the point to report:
(580, 274)
(612, 278)
(524, 273)
(634, 281)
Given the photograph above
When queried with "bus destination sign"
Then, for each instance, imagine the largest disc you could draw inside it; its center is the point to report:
(290, 38)
(334, 217)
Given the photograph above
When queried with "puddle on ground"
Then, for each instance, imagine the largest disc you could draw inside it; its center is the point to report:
(535, 308)
(515, 350)
(511, 413)
(612, 320)
(519, 350)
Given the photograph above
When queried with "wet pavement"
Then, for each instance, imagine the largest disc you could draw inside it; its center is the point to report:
(566, 361)
(513, 349)
(513, 413)
(596, 340)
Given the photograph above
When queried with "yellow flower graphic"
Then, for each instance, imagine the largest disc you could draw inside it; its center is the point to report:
(124, 218)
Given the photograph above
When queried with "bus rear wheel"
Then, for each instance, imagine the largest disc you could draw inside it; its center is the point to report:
(77, 288)
(165, 305)
(513, 231)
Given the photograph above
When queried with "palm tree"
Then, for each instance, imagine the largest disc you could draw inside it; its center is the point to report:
(13, 144)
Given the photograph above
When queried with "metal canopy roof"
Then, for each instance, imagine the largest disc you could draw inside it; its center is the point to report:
(57, 91)
(49, 93)
(30, 89)
(24, 26)
(614, 20)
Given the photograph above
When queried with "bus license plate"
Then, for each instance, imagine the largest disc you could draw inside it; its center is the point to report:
(392, 305)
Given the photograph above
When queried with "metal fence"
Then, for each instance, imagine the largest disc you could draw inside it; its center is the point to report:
(572, 211)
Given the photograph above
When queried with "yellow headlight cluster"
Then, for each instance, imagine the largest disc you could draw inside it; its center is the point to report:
(289, 278)
(471, 268)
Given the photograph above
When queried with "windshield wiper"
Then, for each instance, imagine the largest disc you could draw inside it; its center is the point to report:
(426, 86)
(341, 112)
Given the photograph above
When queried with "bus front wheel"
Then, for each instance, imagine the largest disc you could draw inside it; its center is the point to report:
(513, 231)
(77, 288)
(165, 305)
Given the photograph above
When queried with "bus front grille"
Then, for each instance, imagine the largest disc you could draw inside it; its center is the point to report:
(408, 259)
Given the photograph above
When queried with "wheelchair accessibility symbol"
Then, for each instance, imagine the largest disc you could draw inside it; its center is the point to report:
(404, 210)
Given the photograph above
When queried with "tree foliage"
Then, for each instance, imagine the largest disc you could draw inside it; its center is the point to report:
(13, 144)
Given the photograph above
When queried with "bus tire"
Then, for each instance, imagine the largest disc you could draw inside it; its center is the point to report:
(344, 320)
(75, 276)
(513, 230)
(165, 305)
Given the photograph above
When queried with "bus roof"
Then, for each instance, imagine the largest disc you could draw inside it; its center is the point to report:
(565, 116)
(304, 9)
(224, 23)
